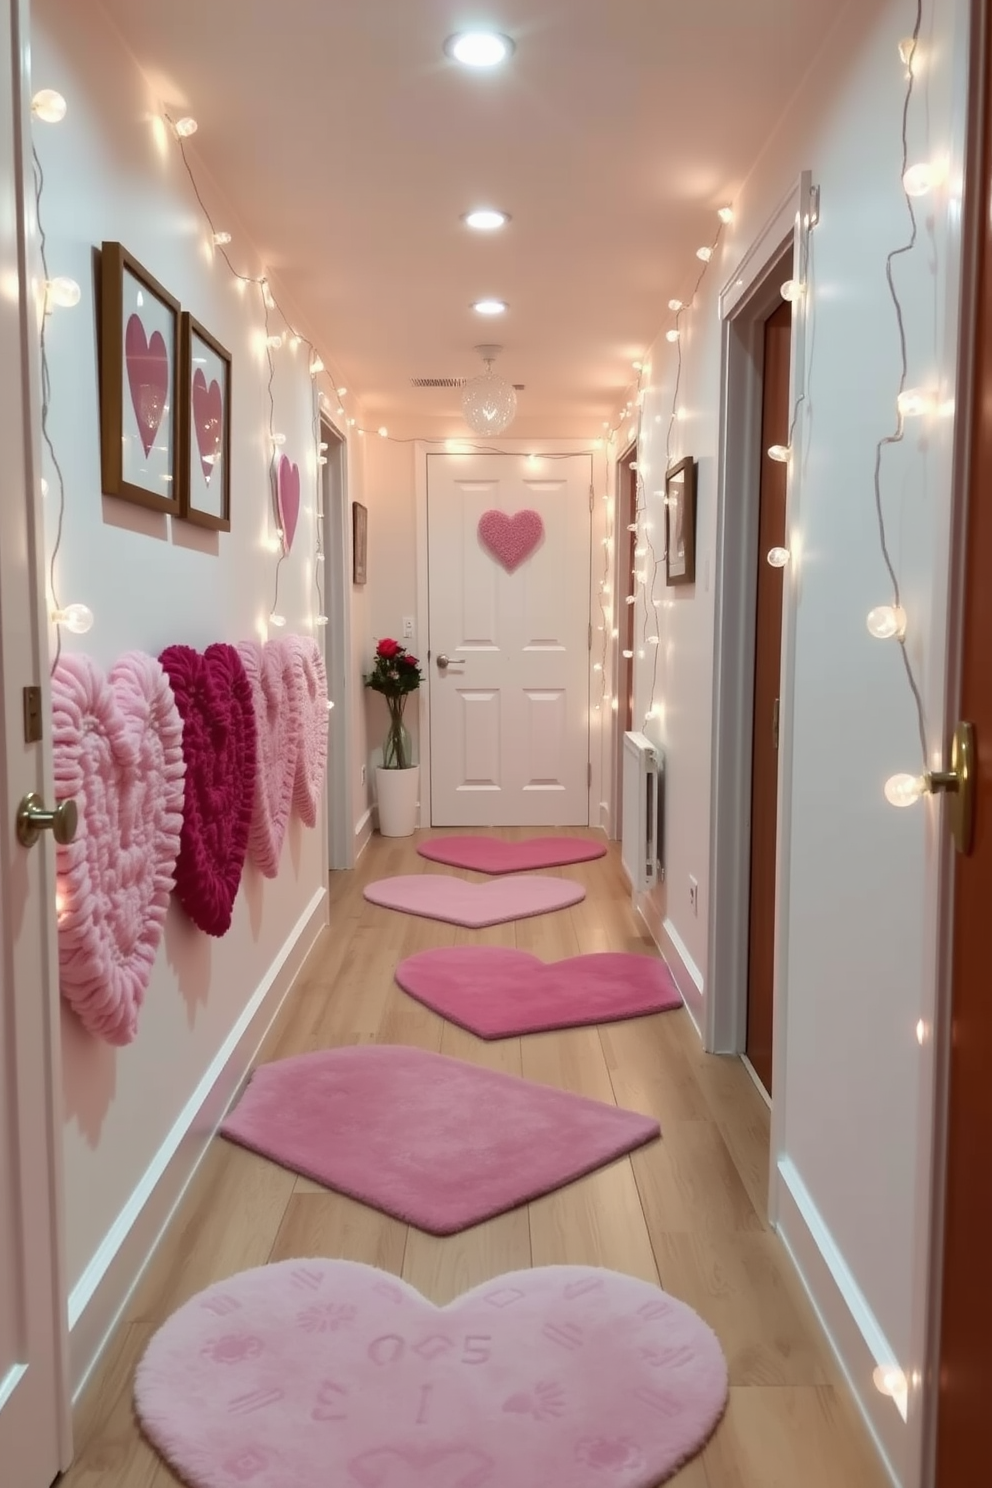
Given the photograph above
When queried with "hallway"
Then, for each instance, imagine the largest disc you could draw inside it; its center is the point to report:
(687, 1211)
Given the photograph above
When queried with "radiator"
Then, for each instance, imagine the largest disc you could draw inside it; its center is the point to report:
(642, 842)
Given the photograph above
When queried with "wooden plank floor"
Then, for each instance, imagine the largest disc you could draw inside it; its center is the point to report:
(688, 1211)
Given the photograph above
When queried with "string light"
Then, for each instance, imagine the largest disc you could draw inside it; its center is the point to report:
(778, 557)
(779, 452)
(904, 790)
(221, 239)
(792, 290)
(676, 305)
(915, 402)
(75, 617)
(383, 433)
(274, 341)
(185, 127)
(316, 366)
(887, 622)
(704, 254)
(48, 106)
(672, 336)
(921, 1033)
(726, 215)
(62, 292)
(278, 440)
(906, 49)
(920, 179)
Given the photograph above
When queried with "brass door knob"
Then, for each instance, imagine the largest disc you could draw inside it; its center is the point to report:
(33, 819)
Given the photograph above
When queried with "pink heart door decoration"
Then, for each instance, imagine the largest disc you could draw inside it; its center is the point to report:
(288, 499)
(148, 378)
(511, 539)
(208, 420)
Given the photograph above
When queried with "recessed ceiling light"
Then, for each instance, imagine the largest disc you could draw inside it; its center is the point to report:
(479, 48)
(486, 219)
(489, 307)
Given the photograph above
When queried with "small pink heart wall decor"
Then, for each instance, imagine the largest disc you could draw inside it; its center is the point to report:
(148, 378)
(511, 539)
(208, 420)
(288, 499)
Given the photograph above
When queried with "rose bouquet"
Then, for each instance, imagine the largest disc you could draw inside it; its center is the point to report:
(395, 674)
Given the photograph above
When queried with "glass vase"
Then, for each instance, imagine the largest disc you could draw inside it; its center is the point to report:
(397, 750)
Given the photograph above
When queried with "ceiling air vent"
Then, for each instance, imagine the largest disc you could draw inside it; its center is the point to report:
(518, 387)
(437, 382)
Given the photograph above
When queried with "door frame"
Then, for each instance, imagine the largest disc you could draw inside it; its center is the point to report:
(750, 289)
(336, 514)
(625, 513)
(454, 446)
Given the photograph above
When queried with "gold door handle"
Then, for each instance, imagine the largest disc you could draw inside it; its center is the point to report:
(959, 784)
(33, 819)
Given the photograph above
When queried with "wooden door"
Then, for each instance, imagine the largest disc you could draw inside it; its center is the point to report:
(964, 1429)
(509, 646)
(33, 1403)
(767, 671)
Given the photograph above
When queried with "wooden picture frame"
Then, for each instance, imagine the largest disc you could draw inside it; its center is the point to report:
(140, 414)
(680, 522)
(204, 428)
(359, 542)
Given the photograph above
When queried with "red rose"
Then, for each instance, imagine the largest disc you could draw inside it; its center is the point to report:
(412, 660)
(388, 648)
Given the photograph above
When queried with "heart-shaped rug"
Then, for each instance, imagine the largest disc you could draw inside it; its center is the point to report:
(511, 539)
(310, 681)
(492, 855)
(288, 499)
(208, 421)
(118, 747)
(437, 896)
(330, 1374)
(498, 993)
(434, 1141)
(277, 699)
(147, 364)
(214, 699)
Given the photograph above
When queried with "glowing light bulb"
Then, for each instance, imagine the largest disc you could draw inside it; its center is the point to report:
(48, 106)
(316, 366)
(778, 557)
(278, 440)
(792, 290)
(906, 49)
(637, 366)
(267, 298)
(726, 215)
(631, 599)
(294, 342)
(628, 656)
(915, 402)
(274, 341)
(779, 452)
(221, 239)
(75, 617)
(614, 633)
(887, 622)
(672, 335)
(277, 620)
(921, 178)
(319, 558)
(921, 1033)
(904, 790)
(340, 409)
(654, 640)
(330, 704)
(185, 127)
(676, 305)
(705, 254)
(63, 292)
(383, 432)
(351, 423)
(44, 486)
(322, 446)
(320, 619)
(889, 1380)
(341, 392)
(598, 667)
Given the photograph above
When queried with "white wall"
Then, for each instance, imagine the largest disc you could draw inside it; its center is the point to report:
(853, 1089)
(113, 173)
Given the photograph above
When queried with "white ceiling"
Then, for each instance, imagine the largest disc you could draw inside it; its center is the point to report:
(350, 146)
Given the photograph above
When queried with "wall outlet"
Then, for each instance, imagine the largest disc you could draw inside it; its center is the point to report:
(407, 627)
(693, 895)
(363, 774)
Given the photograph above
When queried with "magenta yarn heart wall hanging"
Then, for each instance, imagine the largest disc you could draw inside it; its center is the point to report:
(278, 703)
(147, 377)
(288, 499)
(119, 754)
(214, 699)
(511, 539)
(311, 685)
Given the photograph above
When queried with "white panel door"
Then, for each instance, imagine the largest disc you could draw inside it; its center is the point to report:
(33, 1410)
(509, 650)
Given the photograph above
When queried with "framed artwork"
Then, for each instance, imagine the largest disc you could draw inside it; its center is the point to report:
(139, 384)
(359, 542)
(204, 428)
(680, 523)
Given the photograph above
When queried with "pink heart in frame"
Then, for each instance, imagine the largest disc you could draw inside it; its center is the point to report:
(208, 421)
(511, 539)
(288, 499)
(148, 378)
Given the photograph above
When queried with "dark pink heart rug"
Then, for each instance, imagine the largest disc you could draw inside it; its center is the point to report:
(434, 1141)
(330, 1374)
(499, 993)
(439, 897)
(490, 855)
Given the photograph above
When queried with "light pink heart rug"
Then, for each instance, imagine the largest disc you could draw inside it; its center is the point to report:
(208, 421)
(500, 993)
(435, 1141)
(511, 539)
(147, 363)
(288, 499)
(330, 1374)
(490, 855)
(437, 896)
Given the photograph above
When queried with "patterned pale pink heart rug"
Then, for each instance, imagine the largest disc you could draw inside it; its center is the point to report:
(490, 855)
(500, 993)
(331, 1374)
(431, 1140)
(438, 897)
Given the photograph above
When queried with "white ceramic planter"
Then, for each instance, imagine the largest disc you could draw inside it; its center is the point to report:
(398, 792)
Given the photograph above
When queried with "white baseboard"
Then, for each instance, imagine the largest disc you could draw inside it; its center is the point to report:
(103, 1291)
(688, 977)
(604, 817)
(848, 1321)
(363, 833)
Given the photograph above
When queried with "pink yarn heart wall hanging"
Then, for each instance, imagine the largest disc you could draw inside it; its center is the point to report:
(278, 702)
(119, 754)
(147, 377)
(288, 499)
(311, 684)
(511, 539)
(214, 699)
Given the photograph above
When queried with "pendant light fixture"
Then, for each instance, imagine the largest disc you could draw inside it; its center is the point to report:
(489, 403)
